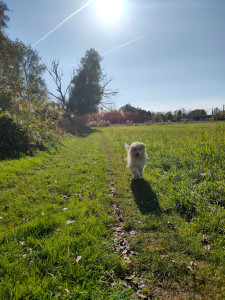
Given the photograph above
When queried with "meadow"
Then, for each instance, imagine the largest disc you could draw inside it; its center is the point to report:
(75, 225)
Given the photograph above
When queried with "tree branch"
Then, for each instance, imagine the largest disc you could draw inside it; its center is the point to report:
(57, 76)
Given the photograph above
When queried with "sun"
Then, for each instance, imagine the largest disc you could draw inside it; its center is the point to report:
(109, 10)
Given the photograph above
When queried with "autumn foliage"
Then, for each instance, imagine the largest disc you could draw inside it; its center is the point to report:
(119, 117)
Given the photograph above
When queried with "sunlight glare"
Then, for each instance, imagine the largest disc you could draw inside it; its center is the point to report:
(109, 10)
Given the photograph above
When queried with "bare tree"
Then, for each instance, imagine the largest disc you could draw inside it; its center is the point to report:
(107, 94)
(57, 76)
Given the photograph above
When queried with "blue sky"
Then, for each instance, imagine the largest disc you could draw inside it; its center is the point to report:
(179, 61)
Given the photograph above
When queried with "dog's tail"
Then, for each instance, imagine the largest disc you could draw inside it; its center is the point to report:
(127, 146)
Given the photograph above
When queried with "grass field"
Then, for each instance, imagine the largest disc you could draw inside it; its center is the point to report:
(75, 225)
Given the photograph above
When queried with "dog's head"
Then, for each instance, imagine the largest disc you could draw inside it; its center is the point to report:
(137, 149)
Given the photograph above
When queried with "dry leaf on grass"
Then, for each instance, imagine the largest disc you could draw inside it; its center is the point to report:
(69, 222)
(170, 225)
(77, 260)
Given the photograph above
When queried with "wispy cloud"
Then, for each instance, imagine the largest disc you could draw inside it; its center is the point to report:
(60, 24)
(125, 44)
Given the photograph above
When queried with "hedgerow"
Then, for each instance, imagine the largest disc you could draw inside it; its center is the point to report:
(27, 127)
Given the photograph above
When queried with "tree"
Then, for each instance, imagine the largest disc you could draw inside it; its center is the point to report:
(20, 68)
(32, 69)
(216, 113)
(89, 86)
(137, 110)
(128, 108)
(57, 76)
(3, 17)
(178, 115)
(20, 73)
(169, 116)
(197, 114)
(10, 78)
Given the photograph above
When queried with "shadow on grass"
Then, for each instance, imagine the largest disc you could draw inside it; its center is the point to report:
(145, 197)
(82, 131)
(77, 126)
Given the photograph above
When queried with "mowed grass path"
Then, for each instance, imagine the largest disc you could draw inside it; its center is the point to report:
(57, 221)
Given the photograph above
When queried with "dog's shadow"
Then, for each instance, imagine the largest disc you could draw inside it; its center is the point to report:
(144, 196)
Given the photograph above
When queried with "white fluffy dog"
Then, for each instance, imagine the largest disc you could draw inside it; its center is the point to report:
(136, 158)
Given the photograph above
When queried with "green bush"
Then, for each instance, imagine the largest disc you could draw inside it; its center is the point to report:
(29, 126)
(14, 137)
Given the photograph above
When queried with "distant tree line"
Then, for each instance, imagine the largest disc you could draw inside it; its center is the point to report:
(128, 114)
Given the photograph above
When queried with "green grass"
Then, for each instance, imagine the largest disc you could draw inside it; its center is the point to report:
(57, 206)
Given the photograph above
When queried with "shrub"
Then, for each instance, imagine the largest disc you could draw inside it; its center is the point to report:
(14, 138)
(101, 123)
(118, 117)
(129, 123)
(28, 127)
(74, 124)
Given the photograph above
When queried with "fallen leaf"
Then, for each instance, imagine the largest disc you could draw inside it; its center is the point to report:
(142, 296)
(141, 286)
(205, 240)
(132, 232)
(193, 264)
(170, 225)
(104, 278)
(130, 277)
(77, 260)
(167, 210)
(207, 247)
(69, 222)
(173, 261)
(125, 251)
(128, 261)
(118, 229)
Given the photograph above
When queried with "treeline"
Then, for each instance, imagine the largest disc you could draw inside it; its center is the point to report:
(28, 121)
(128, 114)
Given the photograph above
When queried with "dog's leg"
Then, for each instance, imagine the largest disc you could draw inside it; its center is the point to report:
(141, 171)
(135, 172)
